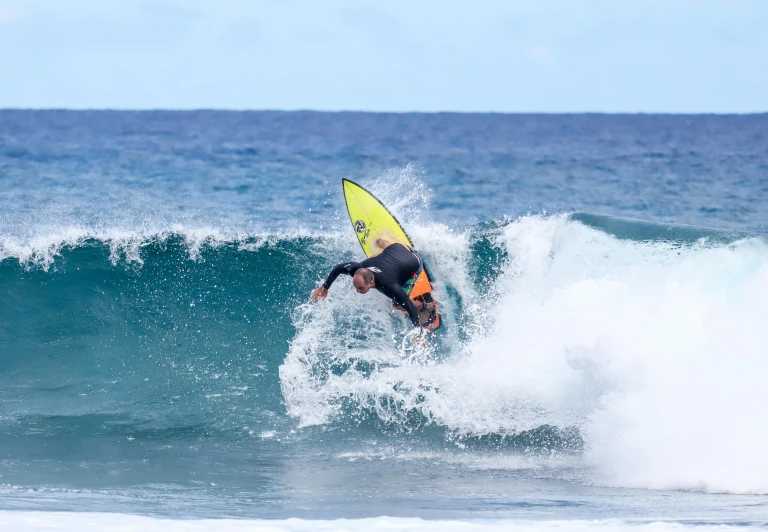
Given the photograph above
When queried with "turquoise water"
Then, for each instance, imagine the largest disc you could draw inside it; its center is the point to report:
(603, 280)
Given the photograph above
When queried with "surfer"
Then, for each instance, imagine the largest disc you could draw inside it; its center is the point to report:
(388, 272)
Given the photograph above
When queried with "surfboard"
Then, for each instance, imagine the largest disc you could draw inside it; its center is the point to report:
(372, 222)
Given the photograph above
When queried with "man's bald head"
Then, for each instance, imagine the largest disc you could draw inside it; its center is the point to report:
(363, 280)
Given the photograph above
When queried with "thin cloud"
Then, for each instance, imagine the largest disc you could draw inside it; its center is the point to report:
(168, 10)
(9, 14)
(371, 18)
(540, 54)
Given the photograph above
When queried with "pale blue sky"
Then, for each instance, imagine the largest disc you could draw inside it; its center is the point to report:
(394, 55)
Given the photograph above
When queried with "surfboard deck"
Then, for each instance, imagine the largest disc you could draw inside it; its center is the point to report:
(371, 222)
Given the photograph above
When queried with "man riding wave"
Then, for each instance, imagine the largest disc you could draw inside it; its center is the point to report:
(388, 272)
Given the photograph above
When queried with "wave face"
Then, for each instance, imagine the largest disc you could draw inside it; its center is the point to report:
(636, 357)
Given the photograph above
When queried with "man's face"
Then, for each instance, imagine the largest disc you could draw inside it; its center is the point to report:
(360, 285)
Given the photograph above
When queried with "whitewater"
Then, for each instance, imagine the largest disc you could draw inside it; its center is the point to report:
(599, 368)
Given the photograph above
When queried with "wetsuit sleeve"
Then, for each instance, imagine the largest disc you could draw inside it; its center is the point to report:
(345, 267)
(396, 292)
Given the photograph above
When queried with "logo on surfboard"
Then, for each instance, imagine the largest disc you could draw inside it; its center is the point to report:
(359, 226)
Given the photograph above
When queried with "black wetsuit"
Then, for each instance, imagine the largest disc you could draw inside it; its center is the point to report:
(391, 269)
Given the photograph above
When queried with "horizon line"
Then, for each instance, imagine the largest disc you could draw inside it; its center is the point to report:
(363, 111)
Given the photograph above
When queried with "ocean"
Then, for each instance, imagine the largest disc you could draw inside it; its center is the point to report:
(602, 365)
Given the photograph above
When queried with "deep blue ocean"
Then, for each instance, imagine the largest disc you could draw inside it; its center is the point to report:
(604, 286)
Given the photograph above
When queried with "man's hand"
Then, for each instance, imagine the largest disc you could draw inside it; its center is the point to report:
(319, 293)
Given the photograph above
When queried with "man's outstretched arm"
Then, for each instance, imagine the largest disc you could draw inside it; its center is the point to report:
(321, 291)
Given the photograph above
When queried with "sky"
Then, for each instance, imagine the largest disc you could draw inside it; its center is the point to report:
(678, 56)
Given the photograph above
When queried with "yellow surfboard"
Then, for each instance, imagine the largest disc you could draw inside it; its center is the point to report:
(374, 225)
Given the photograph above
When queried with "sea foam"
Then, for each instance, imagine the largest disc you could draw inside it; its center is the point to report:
(85, 522)
(653, 350)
